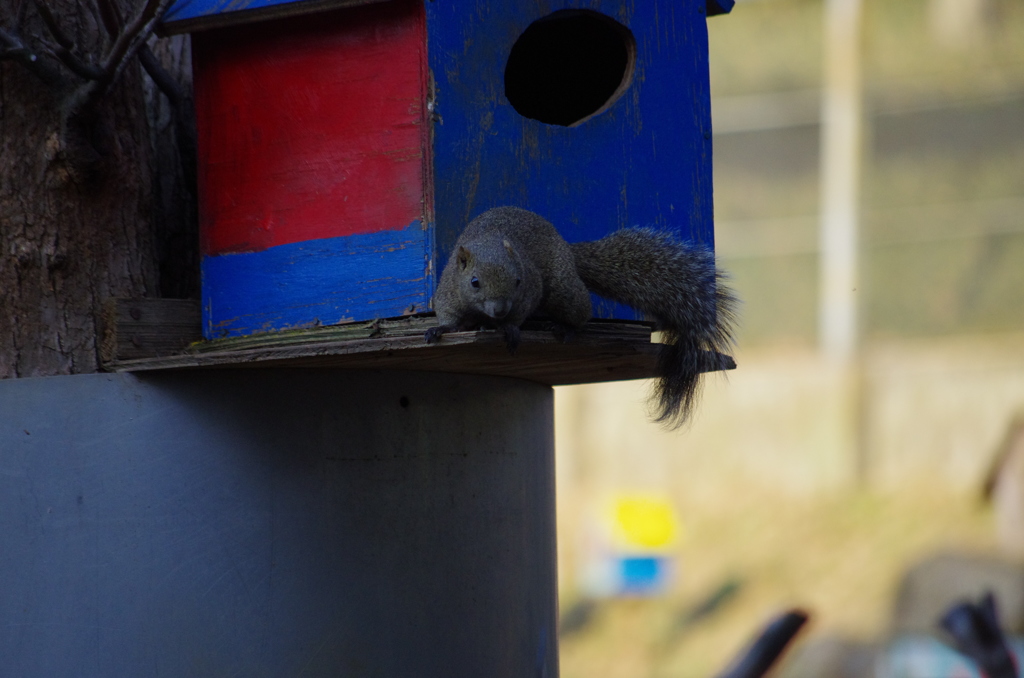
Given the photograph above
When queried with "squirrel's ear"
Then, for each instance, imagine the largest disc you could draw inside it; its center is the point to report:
(463, 256)
(508, 246)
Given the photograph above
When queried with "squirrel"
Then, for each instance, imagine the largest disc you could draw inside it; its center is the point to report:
(510, 264)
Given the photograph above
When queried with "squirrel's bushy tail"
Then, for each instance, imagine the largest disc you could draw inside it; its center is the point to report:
(679, 286)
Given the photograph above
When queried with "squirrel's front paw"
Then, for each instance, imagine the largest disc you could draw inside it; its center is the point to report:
(434, 333)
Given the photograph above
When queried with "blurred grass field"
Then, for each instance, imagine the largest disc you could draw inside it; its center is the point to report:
(838, 555)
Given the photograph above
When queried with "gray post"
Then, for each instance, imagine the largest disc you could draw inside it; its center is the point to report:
(277, 523)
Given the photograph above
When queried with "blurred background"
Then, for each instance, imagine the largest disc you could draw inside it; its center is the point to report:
(865, 460)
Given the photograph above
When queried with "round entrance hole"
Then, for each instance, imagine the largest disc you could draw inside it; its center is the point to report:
(569, 66)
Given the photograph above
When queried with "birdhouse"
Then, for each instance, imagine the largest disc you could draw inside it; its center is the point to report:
(344, 145)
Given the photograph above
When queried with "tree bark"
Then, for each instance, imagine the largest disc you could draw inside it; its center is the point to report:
(172, 136)
(71, 233)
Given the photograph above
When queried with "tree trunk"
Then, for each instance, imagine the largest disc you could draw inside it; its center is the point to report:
(177, 240)
(71, 233)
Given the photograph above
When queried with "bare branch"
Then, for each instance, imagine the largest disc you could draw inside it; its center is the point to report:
(22, 13)
(111, 16)
(163, 80)
(12, 48)
(133, 36)
(51, 25)
(128, 42)
(82, 69)
(64, 50)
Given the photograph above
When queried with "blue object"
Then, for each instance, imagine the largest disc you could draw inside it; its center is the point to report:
(331, 279)
(643, 575)
(194, 9)
(626, 575)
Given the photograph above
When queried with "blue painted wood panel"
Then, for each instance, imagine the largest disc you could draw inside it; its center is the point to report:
(193, 9)
(325, 281)
(192, 14)
(646, 161)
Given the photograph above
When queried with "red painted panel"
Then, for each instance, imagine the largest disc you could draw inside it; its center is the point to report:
(312, 127)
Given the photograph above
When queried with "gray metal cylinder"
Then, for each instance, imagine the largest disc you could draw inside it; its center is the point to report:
(277, 523)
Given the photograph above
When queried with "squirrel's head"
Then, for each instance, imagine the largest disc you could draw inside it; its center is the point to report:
(489, 279)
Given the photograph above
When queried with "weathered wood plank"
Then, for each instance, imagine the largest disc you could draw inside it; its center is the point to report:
(165, 335)
(469, 354)
(148, 328)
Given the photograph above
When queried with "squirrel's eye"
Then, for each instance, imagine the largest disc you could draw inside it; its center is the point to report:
(475, 282)
(519, 282)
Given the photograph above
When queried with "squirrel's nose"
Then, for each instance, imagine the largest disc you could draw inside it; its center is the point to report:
(497, 308)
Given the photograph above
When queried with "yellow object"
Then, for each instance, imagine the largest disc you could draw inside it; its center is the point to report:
(643, 523)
